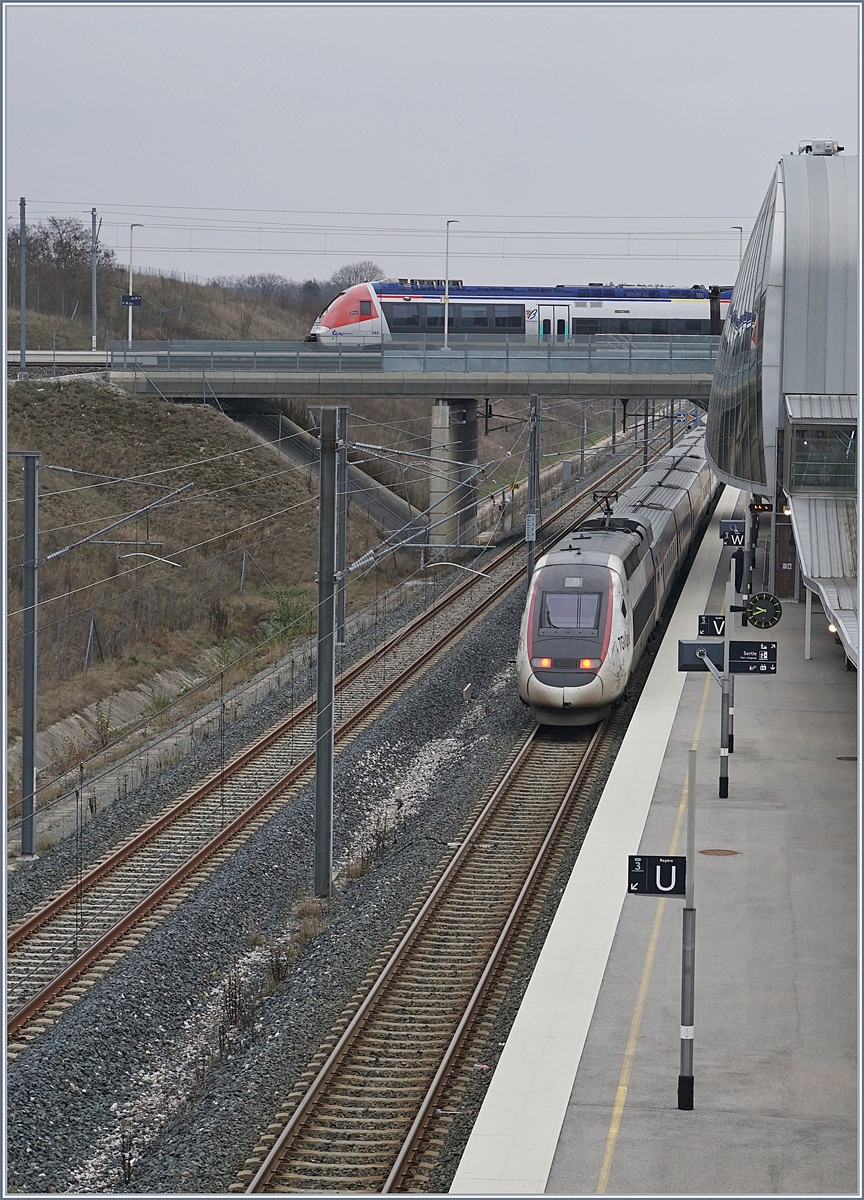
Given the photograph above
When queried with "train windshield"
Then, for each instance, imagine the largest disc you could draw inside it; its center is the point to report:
(570, 610)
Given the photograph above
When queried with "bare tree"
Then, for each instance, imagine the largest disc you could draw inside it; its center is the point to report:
(359, 272)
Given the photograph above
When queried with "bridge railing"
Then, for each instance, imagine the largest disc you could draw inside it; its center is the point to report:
(608, 353)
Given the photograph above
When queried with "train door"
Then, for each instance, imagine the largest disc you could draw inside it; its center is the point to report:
(554, 322)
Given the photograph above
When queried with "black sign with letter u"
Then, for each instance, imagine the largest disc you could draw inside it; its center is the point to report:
(657, 875)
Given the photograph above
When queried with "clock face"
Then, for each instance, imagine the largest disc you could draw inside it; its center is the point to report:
(763, 610)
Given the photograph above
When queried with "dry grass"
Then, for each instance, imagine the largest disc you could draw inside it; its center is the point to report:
(150, 615)
(207, 312)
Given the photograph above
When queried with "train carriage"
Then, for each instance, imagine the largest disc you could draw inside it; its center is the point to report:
(596, 596)
(413, 309)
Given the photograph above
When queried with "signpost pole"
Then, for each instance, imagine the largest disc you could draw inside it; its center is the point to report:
(671, 424)
(725, 692)
(688, 950)
(730, 597)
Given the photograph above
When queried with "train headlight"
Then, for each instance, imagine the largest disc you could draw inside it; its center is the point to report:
(588, 664)
(545, 663)
(832, 628)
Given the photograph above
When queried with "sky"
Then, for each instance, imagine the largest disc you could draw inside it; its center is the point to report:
(570, 143)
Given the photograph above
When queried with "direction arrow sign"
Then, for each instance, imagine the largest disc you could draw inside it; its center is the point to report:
(655, 875)
(130, 301)
(753, 658)
(712, 626)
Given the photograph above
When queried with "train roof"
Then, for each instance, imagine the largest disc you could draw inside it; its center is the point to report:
(591, 291)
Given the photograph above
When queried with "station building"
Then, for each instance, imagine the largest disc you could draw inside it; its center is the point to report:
(783, 409)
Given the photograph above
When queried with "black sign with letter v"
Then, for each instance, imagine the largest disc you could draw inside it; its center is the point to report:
(712, 626)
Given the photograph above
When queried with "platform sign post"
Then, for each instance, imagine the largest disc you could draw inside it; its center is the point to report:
(727, 636)
(688, 950)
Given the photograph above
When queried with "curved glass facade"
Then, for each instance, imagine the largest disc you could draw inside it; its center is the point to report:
(734, 439)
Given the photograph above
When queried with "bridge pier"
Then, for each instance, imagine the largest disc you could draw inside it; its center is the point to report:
(453, 479)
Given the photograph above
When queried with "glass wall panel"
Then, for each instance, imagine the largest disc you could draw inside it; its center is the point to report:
(734, 438)
(823, 458)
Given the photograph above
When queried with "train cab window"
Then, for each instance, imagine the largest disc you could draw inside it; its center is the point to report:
(365, 308)
(623, 607)
(573, 610)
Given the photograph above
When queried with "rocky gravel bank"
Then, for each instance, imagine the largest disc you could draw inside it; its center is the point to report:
(162, 1077)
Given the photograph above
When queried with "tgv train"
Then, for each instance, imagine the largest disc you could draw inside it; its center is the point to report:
(595, 596)
(371, 313)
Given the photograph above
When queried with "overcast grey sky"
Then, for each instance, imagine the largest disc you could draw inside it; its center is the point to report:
(294, 138)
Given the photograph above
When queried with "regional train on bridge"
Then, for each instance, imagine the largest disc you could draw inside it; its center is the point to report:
(372, 313)
(596, 596)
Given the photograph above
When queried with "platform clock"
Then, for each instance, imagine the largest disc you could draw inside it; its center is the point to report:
(763, 610)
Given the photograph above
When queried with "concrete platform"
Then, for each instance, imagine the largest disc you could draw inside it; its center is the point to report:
(584, 1098)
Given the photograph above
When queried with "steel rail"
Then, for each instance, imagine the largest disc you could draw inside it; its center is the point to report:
(400, 1166)
(272, 1160)
(71, 894)
(411, 936)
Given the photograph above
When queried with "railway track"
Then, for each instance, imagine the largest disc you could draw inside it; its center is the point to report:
(106, 911)
(360, 1122)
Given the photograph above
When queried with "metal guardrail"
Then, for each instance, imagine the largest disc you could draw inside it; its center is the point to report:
(608, 353)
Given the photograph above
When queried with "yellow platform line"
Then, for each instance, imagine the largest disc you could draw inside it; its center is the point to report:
(635, 1024)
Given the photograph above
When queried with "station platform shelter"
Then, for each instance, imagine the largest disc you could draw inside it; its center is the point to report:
(584, 1097)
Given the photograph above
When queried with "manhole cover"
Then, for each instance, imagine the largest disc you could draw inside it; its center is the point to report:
(718, 853)
(847, 757)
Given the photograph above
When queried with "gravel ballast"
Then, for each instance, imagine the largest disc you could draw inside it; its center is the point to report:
(128, 1091)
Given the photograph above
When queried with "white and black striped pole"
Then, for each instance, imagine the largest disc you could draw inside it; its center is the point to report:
(688, 950)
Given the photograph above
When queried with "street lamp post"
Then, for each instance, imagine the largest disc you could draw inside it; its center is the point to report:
(740, 242)
(136, 225)
(452, 221)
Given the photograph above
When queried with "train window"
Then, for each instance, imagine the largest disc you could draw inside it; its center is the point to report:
(435, 316)
(659, 326)
(365, 308)
(473, 316)
(631, 562)
(404, 317)
(570, 610)
(692, 326)
(509, 316)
